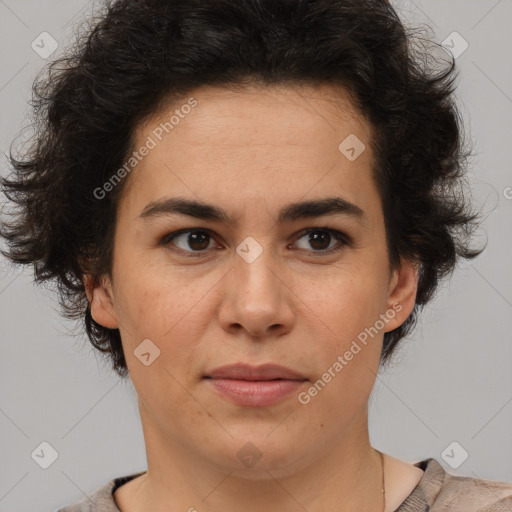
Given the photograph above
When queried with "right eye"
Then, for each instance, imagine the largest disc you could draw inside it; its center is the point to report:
(195, 242)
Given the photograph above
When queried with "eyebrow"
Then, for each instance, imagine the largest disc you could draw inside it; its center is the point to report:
(290, 212)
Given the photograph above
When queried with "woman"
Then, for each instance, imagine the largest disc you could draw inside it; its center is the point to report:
(248, 203)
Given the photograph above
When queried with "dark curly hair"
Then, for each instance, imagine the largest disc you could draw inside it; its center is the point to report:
(139, 53)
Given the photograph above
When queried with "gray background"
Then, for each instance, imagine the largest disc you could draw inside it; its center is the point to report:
(451, 382)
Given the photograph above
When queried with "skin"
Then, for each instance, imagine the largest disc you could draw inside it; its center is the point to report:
(251, 152)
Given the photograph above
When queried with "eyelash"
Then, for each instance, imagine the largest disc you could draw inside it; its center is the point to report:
(343, 239)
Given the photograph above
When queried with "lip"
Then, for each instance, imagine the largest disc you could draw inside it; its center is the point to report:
(254, 386)
(242, 371)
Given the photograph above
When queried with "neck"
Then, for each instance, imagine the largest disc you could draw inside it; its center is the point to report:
(345, 477)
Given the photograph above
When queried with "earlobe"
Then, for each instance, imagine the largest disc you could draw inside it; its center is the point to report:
(402, 293)
(101, 302)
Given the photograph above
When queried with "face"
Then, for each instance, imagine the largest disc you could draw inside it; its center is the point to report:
(287, 265)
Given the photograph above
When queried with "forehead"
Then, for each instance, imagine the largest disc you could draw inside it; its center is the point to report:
(263, 110)
(277, 143)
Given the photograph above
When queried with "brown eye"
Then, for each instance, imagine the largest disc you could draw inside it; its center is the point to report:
(319, 239)
(323, 240)
(192, 240)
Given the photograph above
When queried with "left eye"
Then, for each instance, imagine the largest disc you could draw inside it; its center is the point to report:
(320, 240)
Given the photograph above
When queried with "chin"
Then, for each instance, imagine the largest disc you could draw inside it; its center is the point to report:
(255, 455)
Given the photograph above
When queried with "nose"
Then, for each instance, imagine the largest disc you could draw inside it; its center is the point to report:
(257, 299)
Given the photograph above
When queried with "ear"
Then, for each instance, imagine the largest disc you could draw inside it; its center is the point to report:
(403, 286)
(100, 298)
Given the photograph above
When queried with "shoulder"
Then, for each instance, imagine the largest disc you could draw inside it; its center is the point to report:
(101, 500)
(475, 494)
(440, 491)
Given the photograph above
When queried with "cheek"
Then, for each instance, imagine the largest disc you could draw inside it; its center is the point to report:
(348, 356)
(145, 294)
(144, 306)
(350, 301)
(170, 307)
(348, 308)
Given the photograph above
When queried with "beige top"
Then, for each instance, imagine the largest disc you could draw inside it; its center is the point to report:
(437, 491)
